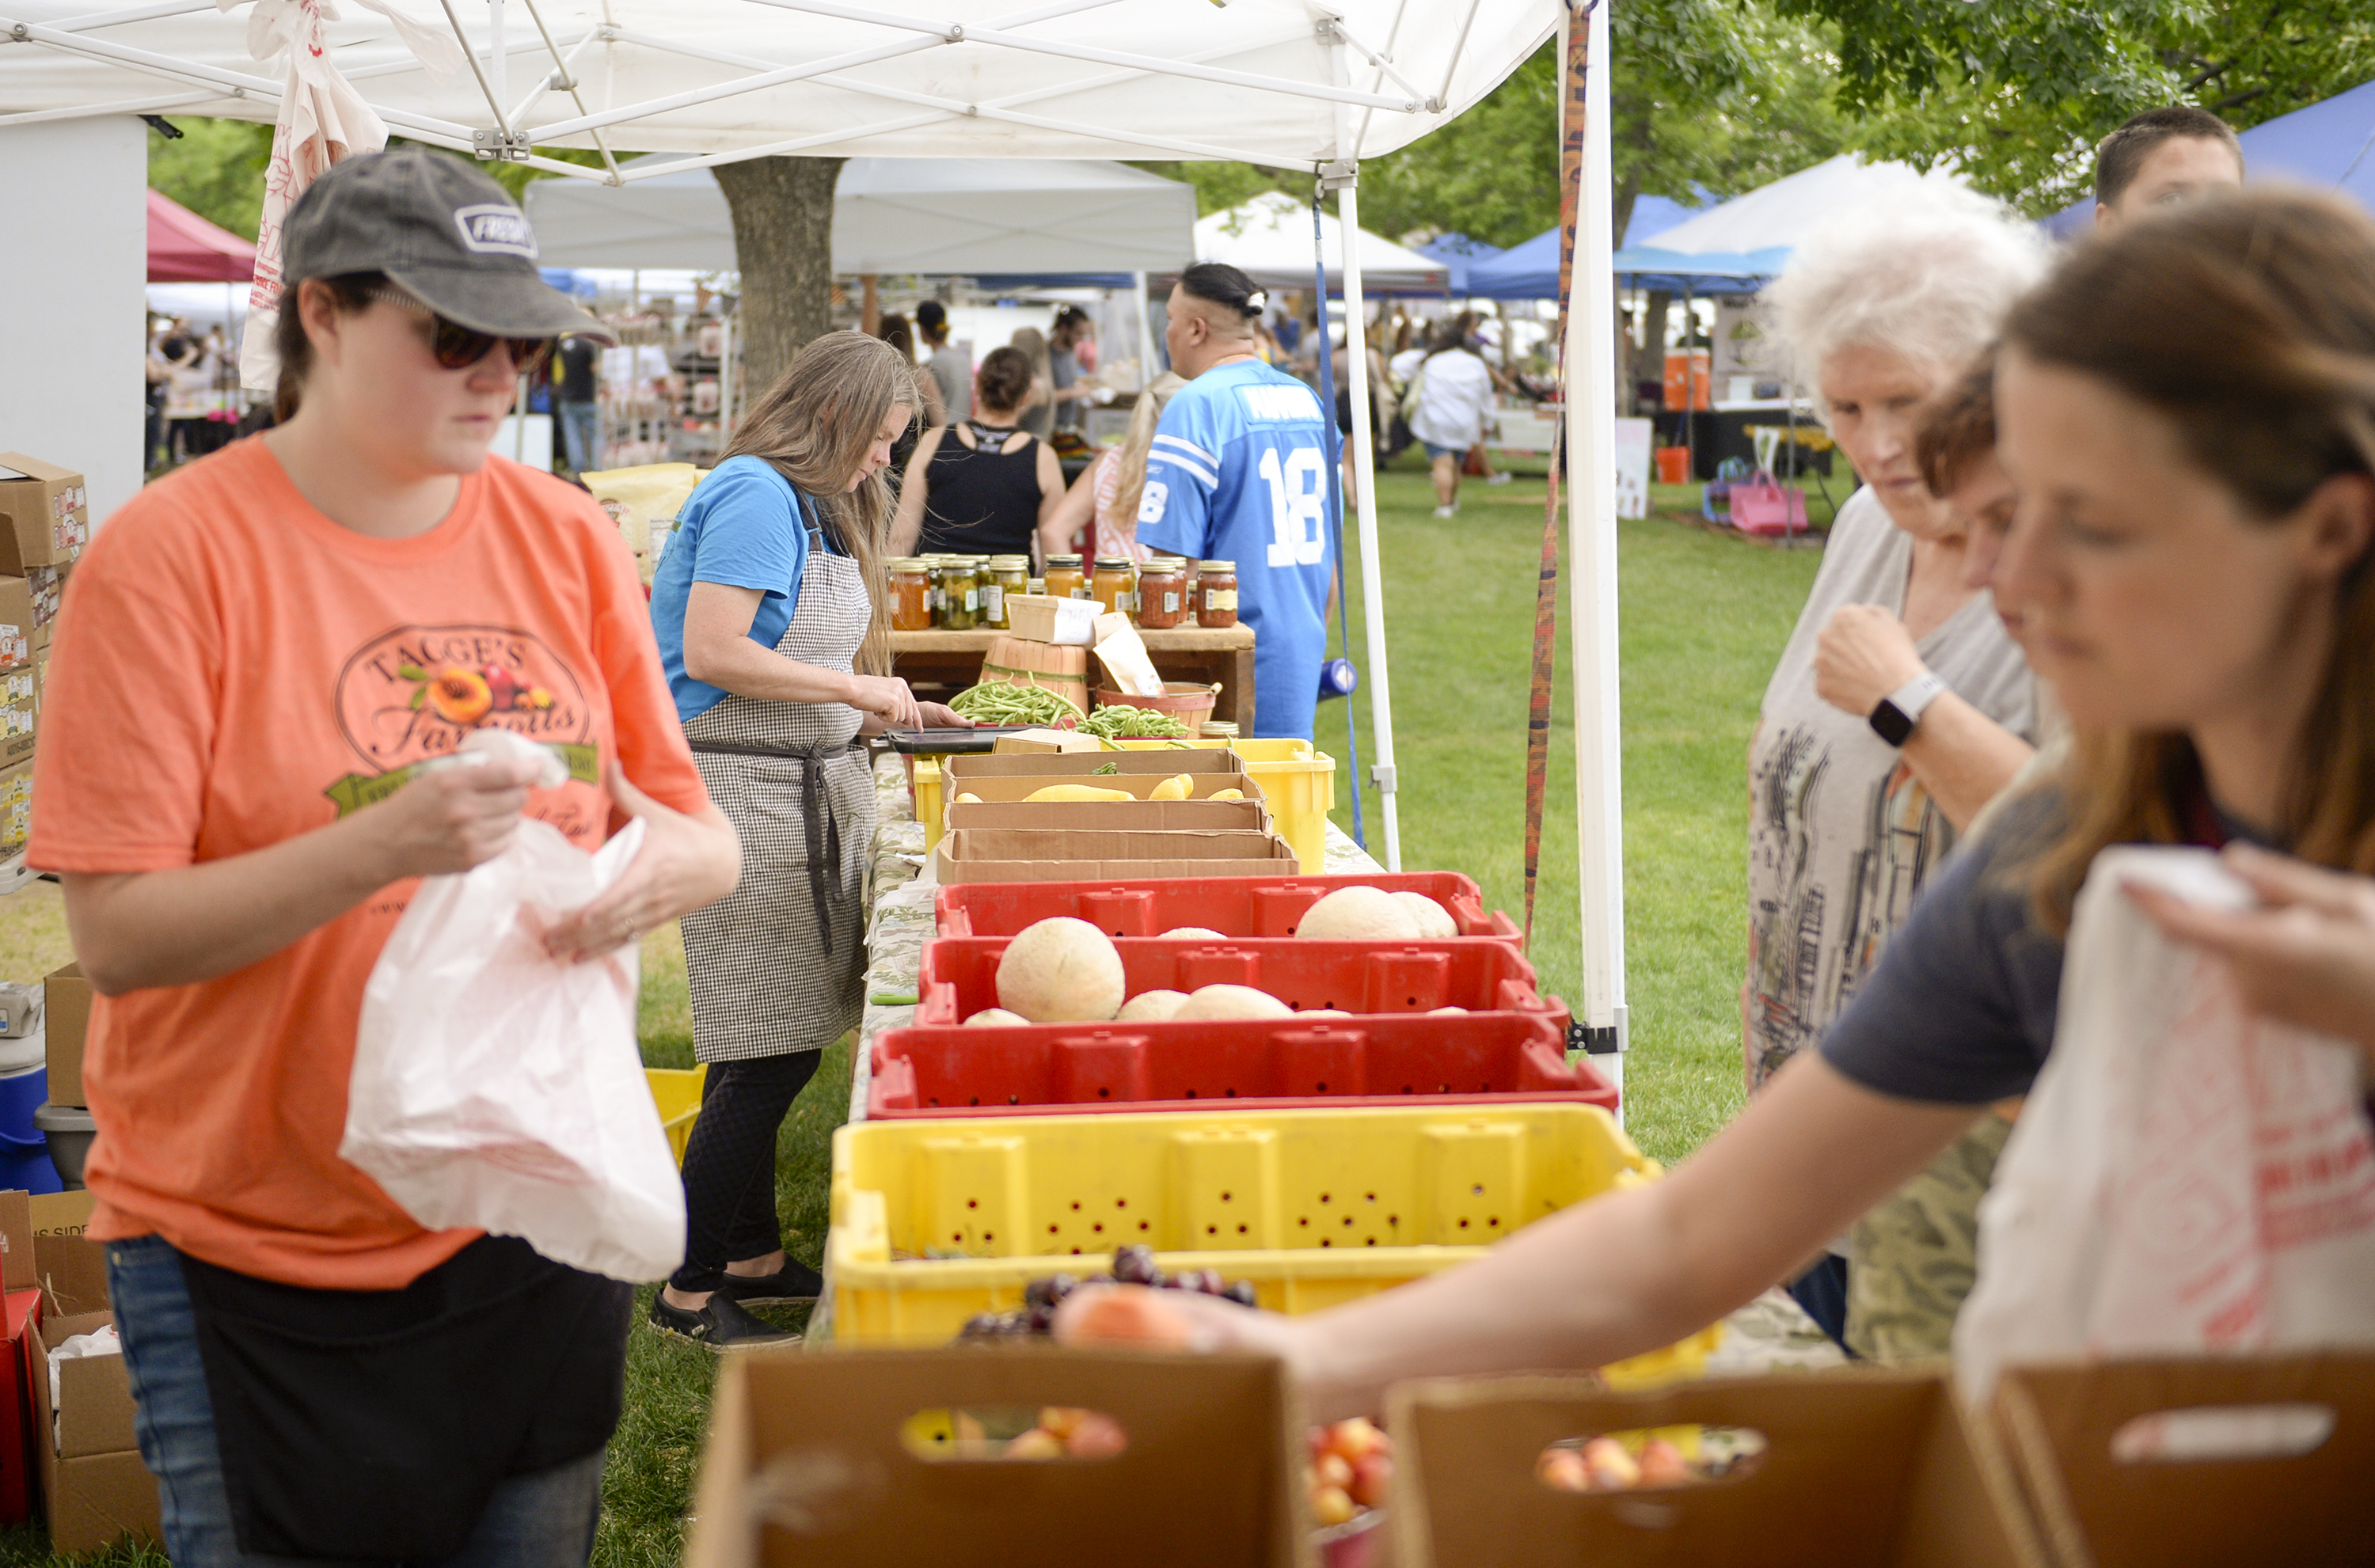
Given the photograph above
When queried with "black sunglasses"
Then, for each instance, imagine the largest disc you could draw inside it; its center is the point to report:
(457, 348)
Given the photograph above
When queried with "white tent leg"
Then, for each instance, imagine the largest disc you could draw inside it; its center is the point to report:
(1592, 553)
(1365, 470)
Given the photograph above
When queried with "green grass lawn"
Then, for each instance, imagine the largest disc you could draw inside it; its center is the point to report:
(1703, 617)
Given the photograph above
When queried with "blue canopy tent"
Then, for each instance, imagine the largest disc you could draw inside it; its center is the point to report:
(2329, 145)
(1459, 253)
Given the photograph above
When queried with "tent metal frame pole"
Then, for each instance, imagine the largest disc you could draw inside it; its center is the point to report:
(1592, 572)
(1343, 177)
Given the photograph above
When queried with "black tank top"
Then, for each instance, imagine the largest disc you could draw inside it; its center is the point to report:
(980, 501)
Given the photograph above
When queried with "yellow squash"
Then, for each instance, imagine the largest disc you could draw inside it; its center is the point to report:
(1079, 792)
(1173, 788)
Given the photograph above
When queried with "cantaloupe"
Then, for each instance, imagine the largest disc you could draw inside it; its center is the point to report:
(1152, 1007)
(1434, 922)
(995, 1018)
(1232, 1001)
(1061, 970)
(1187, 931)
(1358, 914)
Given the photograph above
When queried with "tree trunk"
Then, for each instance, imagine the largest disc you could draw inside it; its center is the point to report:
(783, 240)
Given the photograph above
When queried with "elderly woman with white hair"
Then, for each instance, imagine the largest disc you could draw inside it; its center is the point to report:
(1900, 706)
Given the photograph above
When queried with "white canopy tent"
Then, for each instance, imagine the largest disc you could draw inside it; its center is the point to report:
(891, 215)
(1770, 221)
(1268, 239)
(1307, 84)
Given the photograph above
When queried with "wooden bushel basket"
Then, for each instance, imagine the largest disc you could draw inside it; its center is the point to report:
(1016, 661)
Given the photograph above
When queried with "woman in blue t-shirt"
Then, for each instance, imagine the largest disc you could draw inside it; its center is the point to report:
(2191, 561)
(769, 605)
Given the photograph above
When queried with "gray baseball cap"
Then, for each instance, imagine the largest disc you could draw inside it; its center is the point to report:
(439, 229)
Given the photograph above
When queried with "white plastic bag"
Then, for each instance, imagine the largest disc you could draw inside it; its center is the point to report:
(496, 1088)
(2184, 1178)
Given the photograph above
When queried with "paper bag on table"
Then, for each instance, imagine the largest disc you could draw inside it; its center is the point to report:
(1123, 656)
(2185, 1177)
(498, 1087)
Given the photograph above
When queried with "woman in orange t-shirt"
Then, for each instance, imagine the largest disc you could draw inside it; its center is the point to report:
(265, 654)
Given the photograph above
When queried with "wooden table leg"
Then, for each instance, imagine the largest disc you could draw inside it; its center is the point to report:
(1241, 680)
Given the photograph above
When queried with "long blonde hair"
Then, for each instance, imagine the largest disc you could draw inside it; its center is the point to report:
(1130, 482)
(2271, 389)
(813, 427)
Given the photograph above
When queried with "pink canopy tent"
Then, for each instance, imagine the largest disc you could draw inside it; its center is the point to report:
(185, 248)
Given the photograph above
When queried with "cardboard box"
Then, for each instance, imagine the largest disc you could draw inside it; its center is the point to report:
(93, 1483)
(20, 714)
(2092, 1445)
(68, 1266)
(1863, 1469)
(1114, 816)
(1139, 772)
(67, 997)
(818, 1439)
(1042, 618)
(17, 623)
(1014, 854)
(1045, 742)
(16, 809)
(44, 515)
(47, 586)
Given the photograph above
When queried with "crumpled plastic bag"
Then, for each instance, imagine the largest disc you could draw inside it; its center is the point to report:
(2185, 1178)
(498, 1088)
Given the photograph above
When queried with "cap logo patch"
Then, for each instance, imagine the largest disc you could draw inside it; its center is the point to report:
(496, 226)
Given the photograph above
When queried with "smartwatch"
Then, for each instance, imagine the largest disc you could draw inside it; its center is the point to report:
(1894, 718)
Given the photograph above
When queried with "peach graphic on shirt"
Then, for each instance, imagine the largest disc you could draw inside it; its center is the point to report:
(417, 692)
(462, 696)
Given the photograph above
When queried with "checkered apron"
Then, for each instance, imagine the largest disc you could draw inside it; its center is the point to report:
(778, 966)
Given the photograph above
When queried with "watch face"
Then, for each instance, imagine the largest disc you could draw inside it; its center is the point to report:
(1888, 721)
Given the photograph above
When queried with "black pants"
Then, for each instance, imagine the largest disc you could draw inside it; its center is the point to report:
(1822, 1291)
(729, 1166)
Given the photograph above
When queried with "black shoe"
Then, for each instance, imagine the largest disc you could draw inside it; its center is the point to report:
(721, 1325)
(794, 1281)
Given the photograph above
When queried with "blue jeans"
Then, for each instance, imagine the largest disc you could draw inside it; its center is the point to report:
(581, 435)
(544, 1520)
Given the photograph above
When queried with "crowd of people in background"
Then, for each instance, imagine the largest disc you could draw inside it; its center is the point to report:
(195, 403)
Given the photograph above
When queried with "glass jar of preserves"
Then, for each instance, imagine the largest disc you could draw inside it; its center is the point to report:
(1217, 729)
(960, 596)
(1216, 594)
(1008, 574)
(1064, 578)
(1115, 587)
(1162, 592)
(910, 594)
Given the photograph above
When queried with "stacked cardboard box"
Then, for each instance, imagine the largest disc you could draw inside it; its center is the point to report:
(44, 523)
(66, 1006)
(79, 1443)
(1003, 836)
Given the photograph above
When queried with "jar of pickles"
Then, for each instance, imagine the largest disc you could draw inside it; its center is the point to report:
(1115, 587)
(1008, 574)
(1216, 594)
(960, 596)
(1064, 578)
(910, 594)
(1162, 592)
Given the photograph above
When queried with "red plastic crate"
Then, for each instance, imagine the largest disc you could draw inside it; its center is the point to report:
(1232, 1065)
(1234, 906)
(960, 974)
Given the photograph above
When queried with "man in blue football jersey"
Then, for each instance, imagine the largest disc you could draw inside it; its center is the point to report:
(1238, 472)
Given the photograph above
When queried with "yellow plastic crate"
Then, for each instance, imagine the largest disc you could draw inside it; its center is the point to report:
(1298, 782)
(935, 1221)
(677, 1092)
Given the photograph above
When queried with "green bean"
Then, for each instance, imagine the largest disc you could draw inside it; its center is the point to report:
(1002, 702)
(1119, 720)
